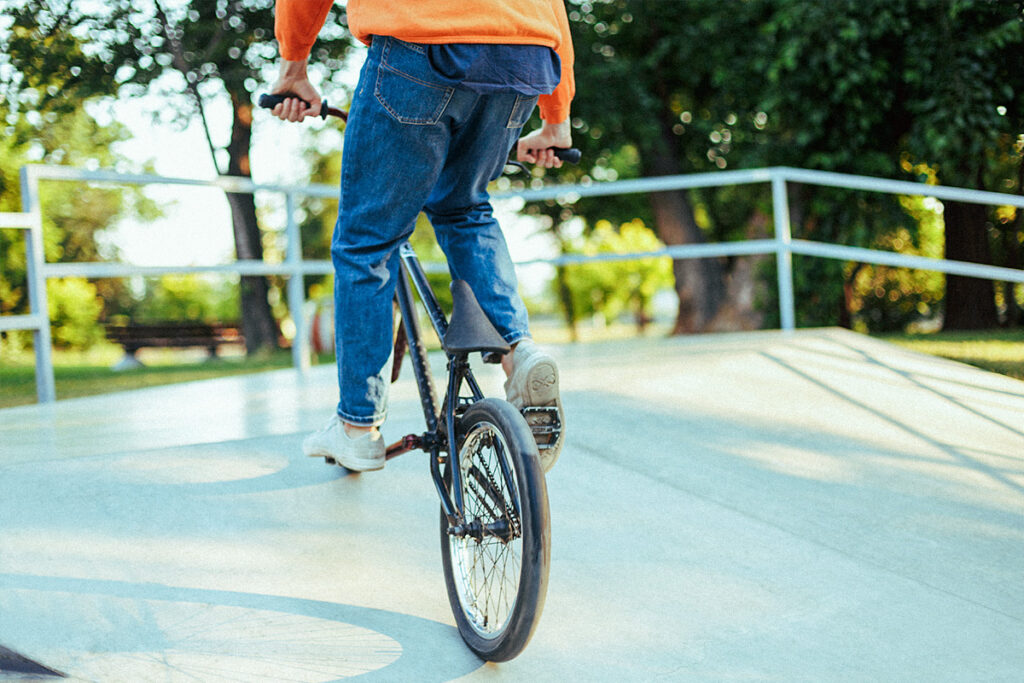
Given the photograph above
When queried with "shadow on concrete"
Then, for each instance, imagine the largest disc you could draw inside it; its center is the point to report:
(134, 630)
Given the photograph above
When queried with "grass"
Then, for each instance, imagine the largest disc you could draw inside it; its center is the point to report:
(1000, 351)
(91, 372)
(88, 373)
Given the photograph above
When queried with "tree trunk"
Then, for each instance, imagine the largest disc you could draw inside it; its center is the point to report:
(970, 302)
(700, 283)
(849, 294)
(1013, 238)
(1012, 244)
(258, 324)
(564, 291)
(568, 307)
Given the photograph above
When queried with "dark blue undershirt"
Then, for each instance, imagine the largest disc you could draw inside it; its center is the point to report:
(485, 68)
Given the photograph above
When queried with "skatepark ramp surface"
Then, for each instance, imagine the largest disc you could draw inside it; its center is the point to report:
(813, 505)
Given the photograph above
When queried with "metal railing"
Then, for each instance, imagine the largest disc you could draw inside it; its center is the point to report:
(294, 267)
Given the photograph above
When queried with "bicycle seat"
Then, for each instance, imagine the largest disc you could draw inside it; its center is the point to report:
(469, 329)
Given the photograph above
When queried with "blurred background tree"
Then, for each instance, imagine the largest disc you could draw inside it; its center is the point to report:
(652, 99)
(189, 297)
(189, 53)
(75, 216)
(890, 88)
(875, 87)
(611, 288)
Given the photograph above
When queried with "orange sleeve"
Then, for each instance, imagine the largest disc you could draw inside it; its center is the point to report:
(554, 108)
(296, 25)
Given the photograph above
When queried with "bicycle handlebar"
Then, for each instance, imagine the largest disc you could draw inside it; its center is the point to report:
(570, 155)
(271, 101)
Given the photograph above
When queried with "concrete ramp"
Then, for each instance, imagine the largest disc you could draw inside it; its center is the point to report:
(806, 506)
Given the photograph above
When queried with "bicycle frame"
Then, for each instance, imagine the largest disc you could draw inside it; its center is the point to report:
(433, 441)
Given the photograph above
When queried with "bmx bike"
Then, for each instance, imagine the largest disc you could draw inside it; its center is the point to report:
(484, 461)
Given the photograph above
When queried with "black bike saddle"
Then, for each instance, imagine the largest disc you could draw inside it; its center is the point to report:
(469, 329)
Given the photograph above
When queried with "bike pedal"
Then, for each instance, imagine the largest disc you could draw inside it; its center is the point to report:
(544, 423)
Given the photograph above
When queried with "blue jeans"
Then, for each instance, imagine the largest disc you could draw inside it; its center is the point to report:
(416, 142)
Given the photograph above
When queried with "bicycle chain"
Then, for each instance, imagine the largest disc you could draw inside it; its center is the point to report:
(509, 510)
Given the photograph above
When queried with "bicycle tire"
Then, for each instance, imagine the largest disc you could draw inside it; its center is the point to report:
(497, 587)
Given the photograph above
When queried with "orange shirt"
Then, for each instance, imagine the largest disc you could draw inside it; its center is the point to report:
(522, 22)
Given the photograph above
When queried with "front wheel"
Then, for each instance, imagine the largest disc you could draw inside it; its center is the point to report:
(496, 566)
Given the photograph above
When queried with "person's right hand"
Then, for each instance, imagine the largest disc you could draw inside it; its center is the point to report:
(533, 148)
(292, 79)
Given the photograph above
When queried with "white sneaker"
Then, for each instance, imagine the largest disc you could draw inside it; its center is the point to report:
(361, 454)
(534, 384)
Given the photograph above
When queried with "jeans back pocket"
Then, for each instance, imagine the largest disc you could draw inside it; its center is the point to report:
(406, 86)
(522, 108)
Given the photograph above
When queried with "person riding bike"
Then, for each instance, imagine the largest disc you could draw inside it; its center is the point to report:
(443, 95)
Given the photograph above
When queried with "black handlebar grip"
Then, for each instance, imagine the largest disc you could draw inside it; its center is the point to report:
(271, 101)
(569, 155)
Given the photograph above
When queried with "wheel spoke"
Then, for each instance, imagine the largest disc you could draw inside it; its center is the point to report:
(487, 570)
(496, 556)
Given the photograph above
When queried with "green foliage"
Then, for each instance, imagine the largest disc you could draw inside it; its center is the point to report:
(89, 373)
(75, 308)
(74, 214)
(124, 47)
(185, 53)
(317, 215)
(893, 88)
(891, 299)
(612, 288)
(189, 297)
(929, 88)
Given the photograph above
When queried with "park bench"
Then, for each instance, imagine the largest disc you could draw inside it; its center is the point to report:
(134, 336)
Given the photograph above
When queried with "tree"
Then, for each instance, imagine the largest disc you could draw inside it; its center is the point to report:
(190, 53)
(74, 216)
(888, 87)
(611, 288)
(968, 123)
(873, 87)
(652, 102)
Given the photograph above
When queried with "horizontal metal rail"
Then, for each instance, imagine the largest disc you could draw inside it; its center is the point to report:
(643, 185)
(888, 258)
(782, 245)
(900, 187)
(242, 267)
(226, 183)
(17, 221)
(32, 321)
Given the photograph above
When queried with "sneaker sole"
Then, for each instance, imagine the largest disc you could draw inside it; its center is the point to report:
(354, 464)
(360, 465)
(541, 390)
(541, 385)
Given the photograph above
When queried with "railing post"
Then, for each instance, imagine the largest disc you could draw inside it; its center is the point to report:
(783, 250)
(35, 257)
(296, 288)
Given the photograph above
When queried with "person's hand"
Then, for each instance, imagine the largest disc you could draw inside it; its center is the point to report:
(533, 148)
(292, 79)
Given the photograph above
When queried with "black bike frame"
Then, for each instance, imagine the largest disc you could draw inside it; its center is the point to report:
(458, 373)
